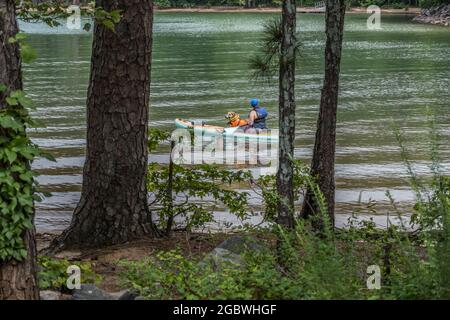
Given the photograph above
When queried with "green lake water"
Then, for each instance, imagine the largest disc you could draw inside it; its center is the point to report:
(201, 71)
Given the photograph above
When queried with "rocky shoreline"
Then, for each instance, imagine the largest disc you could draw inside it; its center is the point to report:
(439, 15)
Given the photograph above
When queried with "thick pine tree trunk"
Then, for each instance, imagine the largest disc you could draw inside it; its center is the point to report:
(323, 160)
(285, 174)
(113, 207)
(17, 279)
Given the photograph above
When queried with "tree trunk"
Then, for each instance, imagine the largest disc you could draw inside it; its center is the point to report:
(322, 166)
(285, 174)
(114, 207)
(17, 279)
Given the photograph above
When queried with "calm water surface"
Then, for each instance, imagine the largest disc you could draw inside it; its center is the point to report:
(200, 71)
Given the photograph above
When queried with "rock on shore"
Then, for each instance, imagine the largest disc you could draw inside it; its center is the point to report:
(439, 15)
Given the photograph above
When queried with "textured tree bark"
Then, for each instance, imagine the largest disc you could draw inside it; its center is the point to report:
(285, 174)
(17, 279)
(323, 160)
(113, 207)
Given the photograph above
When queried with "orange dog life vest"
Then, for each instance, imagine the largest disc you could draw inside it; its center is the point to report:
(238, 123)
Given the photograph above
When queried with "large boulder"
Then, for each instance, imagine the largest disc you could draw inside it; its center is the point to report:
(49, 295)
(240, 244)
(218, 257)
(91, 292)
(129, 295)
(230, 251)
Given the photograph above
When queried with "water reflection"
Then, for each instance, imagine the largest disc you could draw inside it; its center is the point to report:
(200, 71)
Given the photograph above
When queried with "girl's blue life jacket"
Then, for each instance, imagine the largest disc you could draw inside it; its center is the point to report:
(260, 122)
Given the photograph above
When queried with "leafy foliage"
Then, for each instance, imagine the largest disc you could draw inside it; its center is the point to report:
(53, 273)
(53, 13)
(108, 19)
(265, 187)
(48, 12)
(308, 263)
(266, 63)
(171, 276)
(27, 52)
(17, 151)
(429, 277)
(432, 198)
(200, 182)
(17, 185)
(312, 268)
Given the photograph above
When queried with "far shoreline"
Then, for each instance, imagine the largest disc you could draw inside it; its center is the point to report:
(410, 11)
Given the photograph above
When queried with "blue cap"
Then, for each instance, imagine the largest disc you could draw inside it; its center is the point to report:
(254, 102)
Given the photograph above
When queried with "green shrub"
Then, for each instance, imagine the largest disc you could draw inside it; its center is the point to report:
(53, 273)
(306, 265)
(313, 269)
(18, 187)
(432, 3)
(422, 266)
(205, 182)
(321, 263)
(171, 276)
(163, 4)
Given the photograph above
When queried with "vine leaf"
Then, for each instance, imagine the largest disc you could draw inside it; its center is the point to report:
(10, 123)
(11, 155)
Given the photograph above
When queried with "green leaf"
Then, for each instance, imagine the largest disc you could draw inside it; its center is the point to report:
(17, 168)
(17, 94)
(26, 176)
(23, 253)
(26, 102)
(116, 16)
(10, 123)
(20, 36)
(12, 101)
(11, 155)
(28, 53)
(2, 87)
(109, 24)
(27, 224)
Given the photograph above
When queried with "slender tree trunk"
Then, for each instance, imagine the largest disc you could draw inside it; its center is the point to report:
(17, 279)
(170, 192)
(114, 207)
(285, 174)
(323, 160)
